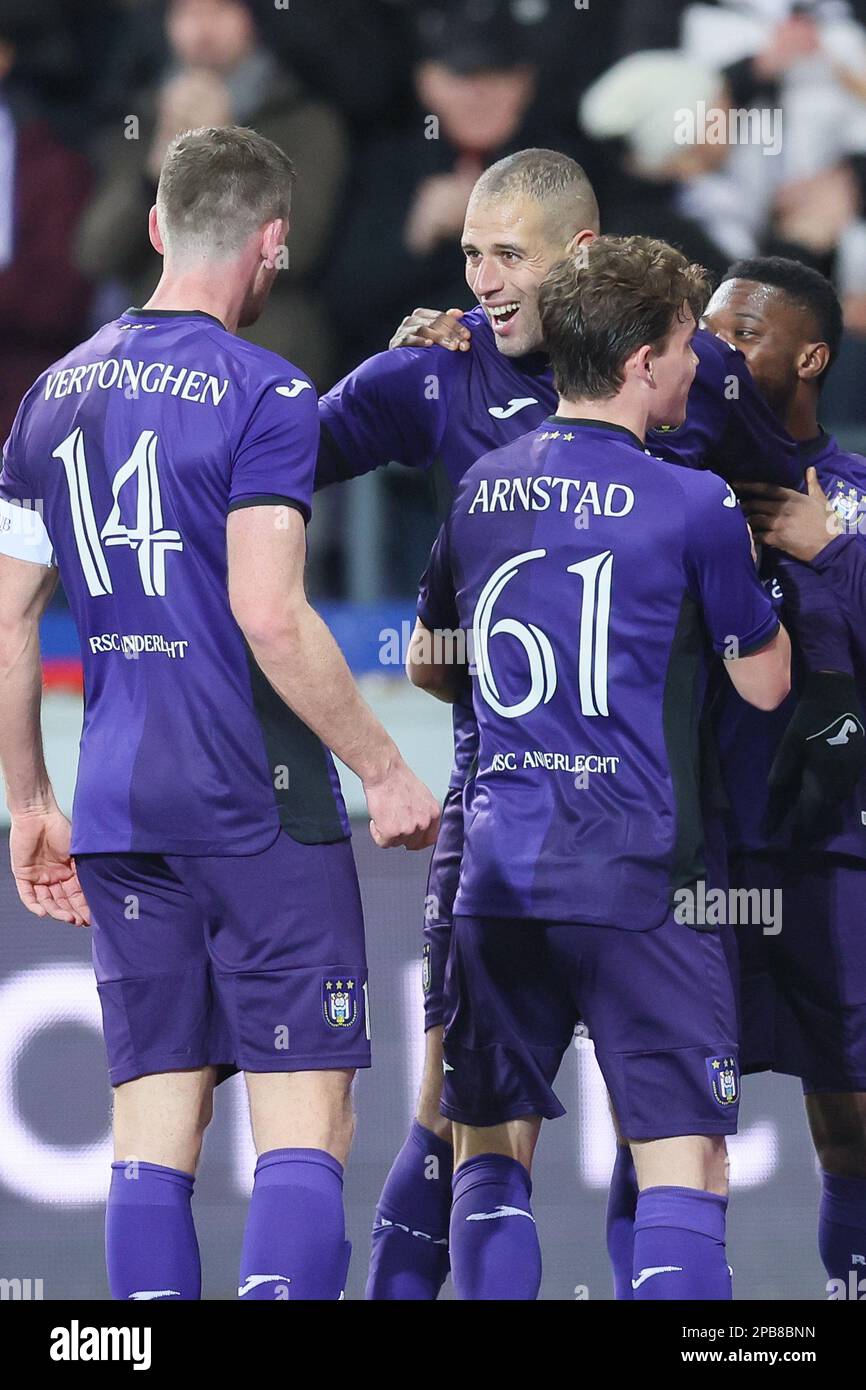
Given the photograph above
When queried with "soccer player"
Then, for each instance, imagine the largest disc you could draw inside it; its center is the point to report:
(164, 470)
(804, 988)
(430, 402)
(590, 575)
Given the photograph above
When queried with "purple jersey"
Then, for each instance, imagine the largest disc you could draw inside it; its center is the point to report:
(594, 580)
(748, 738)
(123, 463)
(423, 406)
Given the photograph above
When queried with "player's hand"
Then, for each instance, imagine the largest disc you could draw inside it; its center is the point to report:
(821, 758)
(44, 870)
(800, 523)
(432, 327)
(402, 810)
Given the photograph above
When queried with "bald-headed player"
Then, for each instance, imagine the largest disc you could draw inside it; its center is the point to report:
(432, 403)
(564, 907)
(173, 465)
(804, 988)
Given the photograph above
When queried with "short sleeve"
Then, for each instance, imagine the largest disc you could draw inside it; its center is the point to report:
(722, 576)
(391, 409)
(437, 602)
(275, 458)
(23, 533)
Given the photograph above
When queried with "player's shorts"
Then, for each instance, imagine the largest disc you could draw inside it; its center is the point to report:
(249, 962)
(442, 881)
(659, 1005)
(803, 989)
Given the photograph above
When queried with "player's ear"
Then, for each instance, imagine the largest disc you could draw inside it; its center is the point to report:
(156, 240)
(641, 363)
(274, 242)
(581, 239)
(814, 361)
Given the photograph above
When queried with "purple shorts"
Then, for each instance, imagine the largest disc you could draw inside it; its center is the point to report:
(249, 963)
(442, 881)
(803, 990)
(659, 1005)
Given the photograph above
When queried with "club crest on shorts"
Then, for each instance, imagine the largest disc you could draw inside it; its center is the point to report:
(339, 1001)
(426, 969)
(724, 1079)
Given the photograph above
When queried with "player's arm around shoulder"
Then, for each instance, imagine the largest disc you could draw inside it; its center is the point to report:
(742, 623)
(433, 327)
(750, 441)
(392, 408)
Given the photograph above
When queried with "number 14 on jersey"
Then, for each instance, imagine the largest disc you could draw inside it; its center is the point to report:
(148, 536)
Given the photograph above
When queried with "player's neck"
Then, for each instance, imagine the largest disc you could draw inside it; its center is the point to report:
(616, 410)
(801, 417)
(191, 291)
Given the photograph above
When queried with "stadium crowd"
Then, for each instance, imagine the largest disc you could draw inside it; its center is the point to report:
(390, 110)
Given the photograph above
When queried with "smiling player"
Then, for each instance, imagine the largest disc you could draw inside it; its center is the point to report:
(590, 637)
(431, 403)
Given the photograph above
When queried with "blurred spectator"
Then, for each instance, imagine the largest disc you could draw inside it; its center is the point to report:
(808, 59)
(568, 44)
(221, 73)
(331, 47)
(698, 167)
(400, 248)
(669, 185)
(43, 188)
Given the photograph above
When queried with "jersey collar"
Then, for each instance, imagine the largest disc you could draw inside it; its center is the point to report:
(817, 450)
(171, 314)
(606, 427)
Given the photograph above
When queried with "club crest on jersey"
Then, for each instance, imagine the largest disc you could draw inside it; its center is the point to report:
(724, 1079)
(426, 971)
(339, 1001)
(849, 505)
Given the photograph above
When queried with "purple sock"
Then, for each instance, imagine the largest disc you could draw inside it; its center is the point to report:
(679, 1245)
(295, 1243)
(150, 1244)
(409, 1256)
(842, 1225)
(494, 1242)
(621, 1208)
